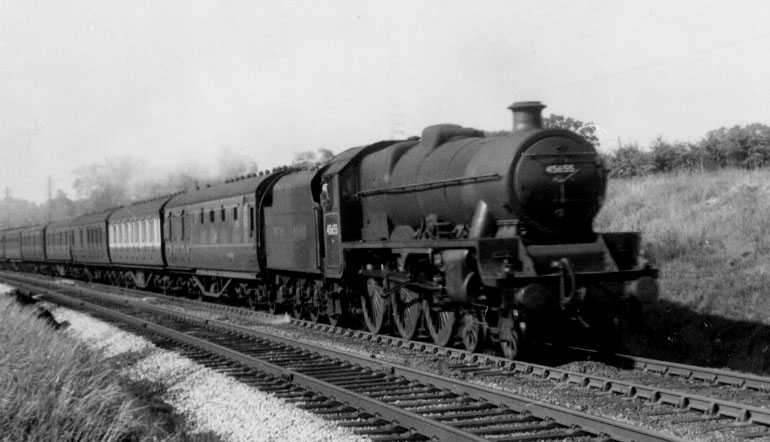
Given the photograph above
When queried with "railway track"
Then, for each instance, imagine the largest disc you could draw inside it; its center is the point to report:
(754, 420)
(694, 373)
(385, 401)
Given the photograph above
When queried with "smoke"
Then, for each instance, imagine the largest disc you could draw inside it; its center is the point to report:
(122, 180)
(125, 179)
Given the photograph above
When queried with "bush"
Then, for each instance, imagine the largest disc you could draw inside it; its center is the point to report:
(739, 146)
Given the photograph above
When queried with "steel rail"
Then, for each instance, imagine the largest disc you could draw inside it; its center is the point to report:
(707, 375)
(665, 368)
(428, 427)
(594, 424)
(685, 371)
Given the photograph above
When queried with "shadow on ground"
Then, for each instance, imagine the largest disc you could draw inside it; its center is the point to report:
(675, 333)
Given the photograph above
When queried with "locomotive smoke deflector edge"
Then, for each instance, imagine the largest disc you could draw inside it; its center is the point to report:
(527, 115)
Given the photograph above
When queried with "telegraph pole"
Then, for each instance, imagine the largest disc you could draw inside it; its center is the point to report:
(50, 202)
(7, 206)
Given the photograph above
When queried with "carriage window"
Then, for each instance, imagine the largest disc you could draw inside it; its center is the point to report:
(81, 238)
(251, 221)
(223, 213)
(181, 228)
(235, 214)
(202, 215)
(211, 216)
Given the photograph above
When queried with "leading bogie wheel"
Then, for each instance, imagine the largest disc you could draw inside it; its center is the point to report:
(510, 348)
(471, 332)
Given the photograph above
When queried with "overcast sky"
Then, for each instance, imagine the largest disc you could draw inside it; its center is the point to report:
(180, 81)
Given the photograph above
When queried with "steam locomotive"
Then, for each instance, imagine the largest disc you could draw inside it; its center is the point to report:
(456, 235)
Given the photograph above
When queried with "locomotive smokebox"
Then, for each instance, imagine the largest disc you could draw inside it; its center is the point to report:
(527, 115)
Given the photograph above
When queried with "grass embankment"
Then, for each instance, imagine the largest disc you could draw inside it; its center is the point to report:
(709, 233)
(55, 389)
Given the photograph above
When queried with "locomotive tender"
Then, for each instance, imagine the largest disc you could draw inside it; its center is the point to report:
(465, 236)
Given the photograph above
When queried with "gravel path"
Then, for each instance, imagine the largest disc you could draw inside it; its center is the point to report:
(211, 401)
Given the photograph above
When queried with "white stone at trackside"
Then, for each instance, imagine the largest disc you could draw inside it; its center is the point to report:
(211, 401)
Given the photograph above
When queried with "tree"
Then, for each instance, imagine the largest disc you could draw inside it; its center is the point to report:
(105, 185)
(745, 146)
(667, 156)
(586, 129)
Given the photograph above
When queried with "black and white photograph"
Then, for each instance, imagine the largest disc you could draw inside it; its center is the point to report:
(236, 221)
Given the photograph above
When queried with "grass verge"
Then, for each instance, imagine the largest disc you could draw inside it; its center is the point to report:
(56, 389)
(709, 234)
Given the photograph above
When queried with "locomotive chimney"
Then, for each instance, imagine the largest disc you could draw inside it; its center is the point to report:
(527, 115)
